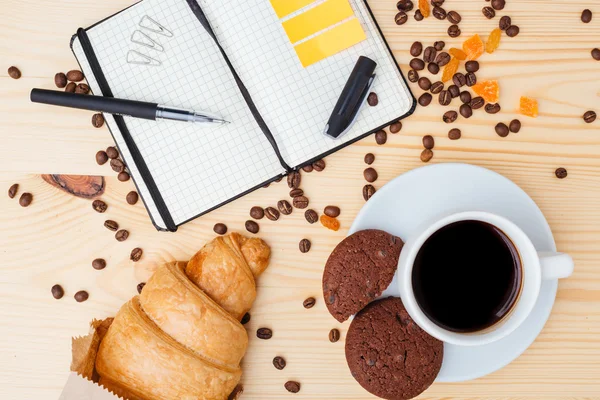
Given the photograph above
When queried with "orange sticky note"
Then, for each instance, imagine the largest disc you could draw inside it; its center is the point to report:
(316, 19)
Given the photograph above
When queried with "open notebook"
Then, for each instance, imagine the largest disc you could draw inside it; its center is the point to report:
(245, 69)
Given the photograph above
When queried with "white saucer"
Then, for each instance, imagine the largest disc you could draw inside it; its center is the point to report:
(441, 189)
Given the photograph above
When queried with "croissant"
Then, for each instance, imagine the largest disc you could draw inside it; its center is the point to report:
(181, 338)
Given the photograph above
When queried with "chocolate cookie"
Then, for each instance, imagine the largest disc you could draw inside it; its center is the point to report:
(388, 354)
(358, 270)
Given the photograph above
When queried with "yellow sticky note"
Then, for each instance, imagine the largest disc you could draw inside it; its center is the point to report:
(316, 19)
(330, 42)
(286, 7)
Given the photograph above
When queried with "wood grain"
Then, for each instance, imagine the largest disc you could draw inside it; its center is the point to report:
(57, 237)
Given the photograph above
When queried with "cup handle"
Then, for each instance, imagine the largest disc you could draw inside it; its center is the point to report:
(555, 265)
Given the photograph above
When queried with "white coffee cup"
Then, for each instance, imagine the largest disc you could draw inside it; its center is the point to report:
(536, 266)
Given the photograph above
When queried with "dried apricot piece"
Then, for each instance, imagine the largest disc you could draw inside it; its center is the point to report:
(424, 7)
(493, 41)
(489, 90)
(529, 107)
(330, 223)
(458, 53)
(450, 69)
(473, 47)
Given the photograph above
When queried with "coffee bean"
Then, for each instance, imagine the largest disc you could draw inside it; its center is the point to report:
(81, 296)
(425, 99)
(381, 137)
(257, 212)
(501, 129)
(311, 216)
(405, 5)
(82, 88)
(99, 206)
(112, 152)
(476, 103)
(304, 246)
(561, 173)
(136, 254)
(372, 99)
(57, 292)
(471, 79)
(413, 75)
(292, 386)
(25, 199)
(12, 190)
(279, 363)
(589, 117)
(308, 168)
(416, 49)
(442, 59)
(14, 72)
(99, 264)
(596, 54)
(396, 127)
(437, 87)
(454, 134)
(428, 142)
(140, 287)
(472, 66)
(123, 176)
(465, 97)
(264, 333)
(459, 79)
(454, 31)
(293, 180)
(97, 120)
(488, 12)
(450, 116)
(492, 108)
(370, 175)
(498, 4)
(368, 191)
(437, 3)
(111, 225)
(220, 228)
(60, 80)
(334, 335)
(429, 54)
(439, 45)
(300, 202)
(246, 318)
(426, 155)
(332, 211)
(369, 158)
(101, 157)
(122, 235)
(586, 16)
(514, 126)
(70, 88)
(444, 98)
(433, 68)
(236, 393)
(439, 13)
(117, 165)
(466, 111)
(132, 197)
(505, 23)
(272, 213)
(319, 165)
(309, 303)
(454, 91)
(424, 83)
(454, 17)
(284, 207)
(296, 192)
(417, 64)
(401, 18)
(419, 16)
(512, 31)
(75, 75)
(252, 227)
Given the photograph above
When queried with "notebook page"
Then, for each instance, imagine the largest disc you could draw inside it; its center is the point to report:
(296, 102)
(195, 167)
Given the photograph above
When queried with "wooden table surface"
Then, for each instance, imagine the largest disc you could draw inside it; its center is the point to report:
(56, 238)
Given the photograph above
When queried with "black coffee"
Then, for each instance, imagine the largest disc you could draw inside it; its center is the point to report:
(467, 276)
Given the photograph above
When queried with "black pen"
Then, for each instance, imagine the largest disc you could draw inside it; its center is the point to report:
(132, 108)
